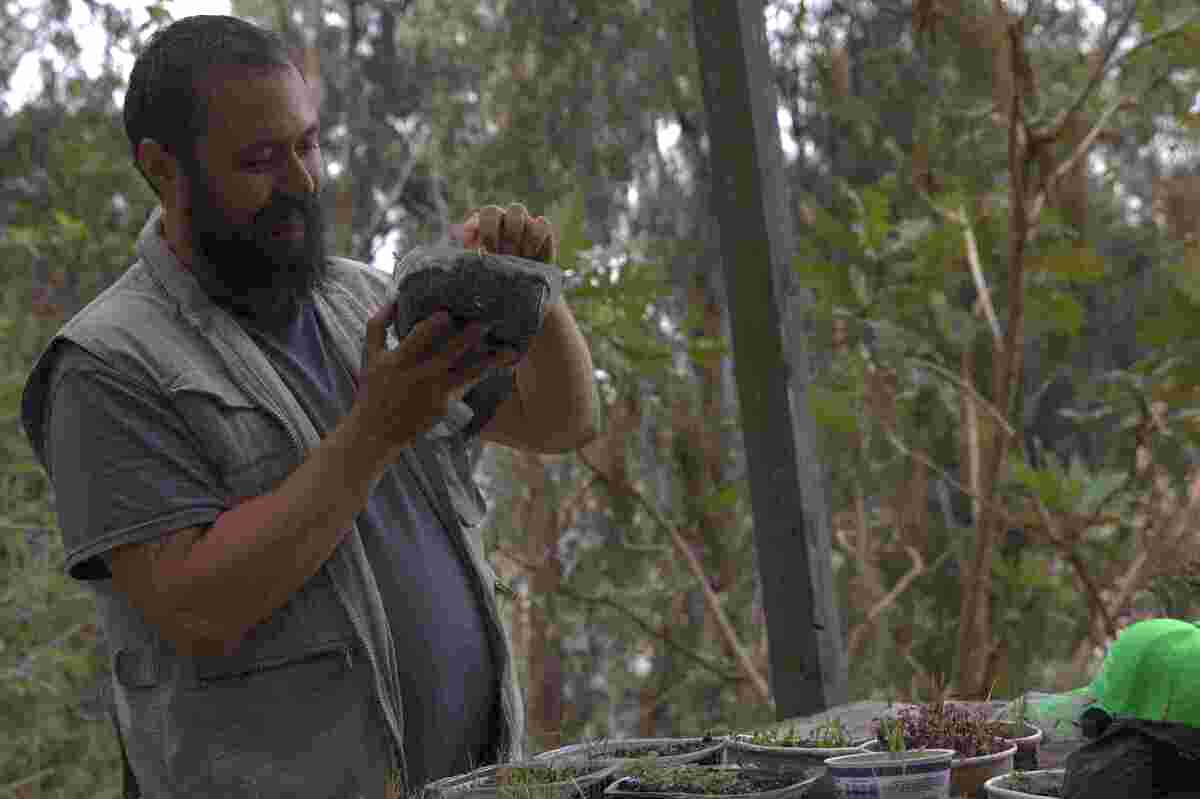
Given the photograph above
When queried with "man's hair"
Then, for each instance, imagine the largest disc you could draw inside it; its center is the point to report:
(166, 99)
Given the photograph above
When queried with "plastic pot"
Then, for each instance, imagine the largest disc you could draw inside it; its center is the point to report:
(1028, 739)
(917, 774)
(968, 774)
(481, 784)
(784, 759)
(798, 787)
(1002, 787)
(705, 752)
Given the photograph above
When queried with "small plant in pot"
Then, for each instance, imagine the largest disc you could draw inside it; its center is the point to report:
(528, 780)
(792, 749)
(981, 752)
(645, 779)
(1026, 736)
(1026, 784)
(703, 750)
(892, 770)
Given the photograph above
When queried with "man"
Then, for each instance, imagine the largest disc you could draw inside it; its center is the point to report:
(280, 547)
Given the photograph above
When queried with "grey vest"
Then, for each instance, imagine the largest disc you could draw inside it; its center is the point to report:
(309, 705)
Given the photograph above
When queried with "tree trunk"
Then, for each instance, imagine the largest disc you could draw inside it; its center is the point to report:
(544, 656)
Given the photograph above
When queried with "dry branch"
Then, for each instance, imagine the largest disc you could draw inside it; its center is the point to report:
(889, 599)
(1080, 152)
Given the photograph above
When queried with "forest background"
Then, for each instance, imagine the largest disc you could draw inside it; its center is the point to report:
(997, 211)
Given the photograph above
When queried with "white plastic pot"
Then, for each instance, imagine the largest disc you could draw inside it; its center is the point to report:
(917, 774)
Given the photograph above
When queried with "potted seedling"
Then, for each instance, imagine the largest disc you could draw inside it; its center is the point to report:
(701, 750)
(646, 779)
(545, 779)
(792, 749)
(894, 769)
(981, 751)
(1026, 736)
(1026, 784)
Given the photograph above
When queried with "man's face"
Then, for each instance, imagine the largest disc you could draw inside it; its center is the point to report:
(256, 228)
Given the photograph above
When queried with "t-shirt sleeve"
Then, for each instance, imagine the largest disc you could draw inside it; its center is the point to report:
(124, 465)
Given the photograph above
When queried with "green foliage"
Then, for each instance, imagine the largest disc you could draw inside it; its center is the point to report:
(830, 733)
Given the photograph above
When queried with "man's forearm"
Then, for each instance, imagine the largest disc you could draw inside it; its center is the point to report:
(260, 553)
(557, 383)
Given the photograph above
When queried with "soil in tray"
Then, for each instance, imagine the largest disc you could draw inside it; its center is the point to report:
(1038, 787)
(537, 775)
(662, 750)
(735, 784)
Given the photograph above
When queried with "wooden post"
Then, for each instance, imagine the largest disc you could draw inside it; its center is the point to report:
(791, 520)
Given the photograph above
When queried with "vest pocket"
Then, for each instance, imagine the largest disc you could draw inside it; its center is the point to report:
(251, 450)
(210, 672)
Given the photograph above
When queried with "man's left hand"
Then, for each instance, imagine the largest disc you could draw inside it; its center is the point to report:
(510, 231)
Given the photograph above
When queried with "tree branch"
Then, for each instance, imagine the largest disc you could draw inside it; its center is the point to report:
(634, 617)
(697, 569)
(1081, 151)
(968, 388)
(1098, 73)
(973, 261)
(889, 599)
(1089, 587)
(985, 295)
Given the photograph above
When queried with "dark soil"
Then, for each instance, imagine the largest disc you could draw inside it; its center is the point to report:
(539, 775)
(662, 750)
(1039, 786)
(745, 783)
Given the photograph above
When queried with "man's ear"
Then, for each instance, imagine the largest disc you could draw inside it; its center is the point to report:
(160, 166)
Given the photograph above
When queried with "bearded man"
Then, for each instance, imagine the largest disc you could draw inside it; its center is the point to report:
(285, 558)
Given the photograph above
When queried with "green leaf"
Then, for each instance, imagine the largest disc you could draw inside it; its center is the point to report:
(830, 281)
(877, 225)
(158, 13)
(1071, 260)
(722, 499)
(1150, 17)
(833, 408)
(1056, 310)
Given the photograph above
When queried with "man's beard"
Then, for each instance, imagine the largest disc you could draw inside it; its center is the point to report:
(259, 278)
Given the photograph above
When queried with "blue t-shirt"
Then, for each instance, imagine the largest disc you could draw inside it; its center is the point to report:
(448, 674)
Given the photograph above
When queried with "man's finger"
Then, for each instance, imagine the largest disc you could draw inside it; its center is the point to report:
(548, 252)
(514, 223)
(539, 240)
(420, 341)
(470, 338)
(477, 371)
(490, 217)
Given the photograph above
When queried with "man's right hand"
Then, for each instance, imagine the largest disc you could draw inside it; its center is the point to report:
(405, 391)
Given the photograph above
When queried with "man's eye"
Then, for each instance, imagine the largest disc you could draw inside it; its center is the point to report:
(258, 163)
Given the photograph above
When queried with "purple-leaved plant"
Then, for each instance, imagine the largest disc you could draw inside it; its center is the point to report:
(940, 725)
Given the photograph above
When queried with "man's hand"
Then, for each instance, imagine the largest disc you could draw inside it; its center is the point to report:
(510, 231)
(405, 391)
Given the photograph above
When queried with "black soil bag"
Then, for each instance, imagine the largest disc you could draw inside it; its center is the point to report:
(1134, 758)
